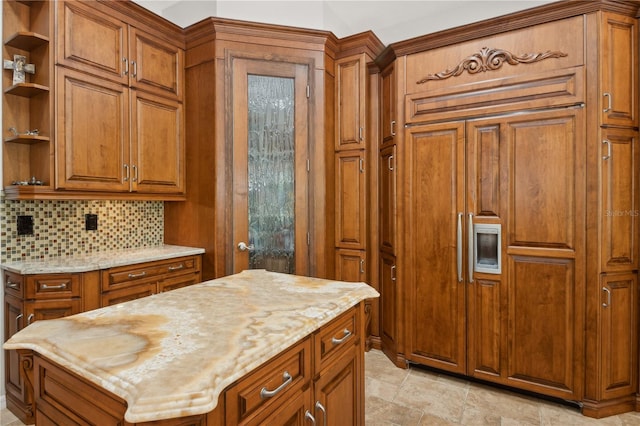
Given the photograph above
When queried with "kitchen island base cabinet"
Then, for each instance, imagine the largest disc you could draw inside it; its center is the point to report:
(319, 379)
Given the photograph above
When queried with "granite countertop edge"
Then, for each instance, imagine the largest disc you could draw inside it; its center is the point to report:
(100, 260)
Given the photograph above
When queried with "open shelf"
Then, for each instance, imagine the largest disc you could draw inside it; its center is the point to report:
(26, 40)
(27, 139)
(27, 90)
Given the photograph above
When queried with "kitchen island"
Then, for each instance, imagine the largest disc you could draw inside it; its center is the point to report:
(236, 350)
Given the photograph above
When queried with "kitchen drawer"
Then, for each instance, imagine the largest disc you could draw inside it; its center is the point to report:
(52, 286)
(14, 284)
(334, 338)
(124, 275)
(282, 377)
(128, 293)
(180, 281)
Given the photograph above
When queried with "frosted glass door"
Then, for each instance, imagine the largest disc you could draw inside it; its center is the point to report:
(269, 172)
(271, 167)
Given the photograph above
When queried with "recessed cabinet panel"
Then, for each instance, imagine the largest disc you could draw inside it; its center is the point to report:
(92, 134)
(350, 199)
(350, 117)
(485, 329)
(158, 148)
(543, 333)
(620, 194)
(543, 177)
(388, 212)
(619, 70)
(91, 41)
(484, 164)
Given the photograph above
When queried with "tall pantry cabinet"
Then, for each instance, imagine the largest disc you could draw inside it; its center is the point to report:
(516, 192)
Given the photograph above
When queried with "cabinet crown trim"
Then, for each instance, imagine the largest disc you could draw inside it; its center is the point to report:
(490, 59)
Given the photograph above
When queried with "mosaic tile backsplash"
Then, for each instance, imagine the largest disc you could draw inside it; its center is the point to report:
(59, 228)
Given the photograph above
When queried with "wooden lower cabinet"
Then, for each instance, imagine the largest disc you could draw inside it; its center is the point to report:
(36, 297)
(318, 380)
(132, 282)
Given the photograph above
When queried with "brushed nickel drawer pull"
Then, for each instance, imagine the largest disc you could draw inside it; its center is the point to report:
(12, 284)
(345, 336)
(309, 416)
(176, 268)
(320, 407)
(30, 319)
(140, 275)
(287, 379)
(54, 287)
(608, 107)
(18, 318)
(608, 302)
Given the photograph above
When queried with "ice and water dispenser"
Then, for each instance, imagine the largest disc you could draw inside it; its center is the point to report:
(487, 254)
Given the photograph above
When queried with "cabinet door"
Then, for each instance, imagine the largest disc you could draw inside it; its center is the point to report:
(434, 285)
(128, 293)
(350, 102)
(51, 309)
(92, 133)
(336, 391)
(91, 41)
(619, 339)
(389, 318)
(388, 106)
(158, 154)
(388, 212)
(545, 246)
(155, 65)
(350, 200)
(620, 193)
(14, 321)
(619, 70)
(350, 265)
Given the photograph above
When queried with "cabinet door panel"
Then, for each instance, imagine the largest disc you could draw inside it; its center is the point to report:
(485, 329)
(350, 200)
(619, 70)
(619, 335)
(351, 107)
(157, 145)
(350, 265)
(435, 290)
(92, 133)
(389, 319)
(388, 105)
(620, 193)
(388, 212)
(543, 353)
(337, 390)
(91, 41)
(157, 65)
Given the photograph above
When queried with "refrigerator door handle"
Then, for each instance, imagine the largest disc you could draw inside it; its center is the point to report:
(470, 248)
(459, 247)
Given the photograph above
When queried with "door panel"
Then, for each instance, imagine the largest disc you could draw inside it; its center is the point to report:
(437, 319)
(270, 178)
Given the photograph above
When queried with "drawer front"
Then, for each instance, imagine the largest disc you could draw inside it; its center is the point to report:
(173, 283)
(53, 286)
(50, 309)
(14, 284)
(336, 337)
(270, 384)
(129, 293)
(123, 276)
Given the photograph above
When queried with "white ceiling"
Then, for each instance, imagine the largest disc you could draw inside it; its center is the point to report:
(390, 20)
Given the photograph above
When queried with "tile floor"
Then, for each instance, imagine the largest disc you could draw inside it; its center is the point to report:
(412, 397)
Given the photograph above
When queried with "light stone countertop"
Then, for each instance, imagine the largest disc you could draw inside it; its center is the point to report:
(172, 354)
(100, 260)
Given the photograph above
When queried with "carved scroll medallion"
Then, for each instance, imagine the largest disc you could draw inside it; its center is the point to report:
(490, 60)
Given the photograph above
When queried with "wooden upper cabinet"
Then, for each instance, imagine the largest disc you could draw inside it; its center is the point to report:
(157, 146)
(91, 41)
(155, 65)
(350, 200)
(620, 193)
(101, 44)
(388, 106)
(619, 70)
(388, 212)
(92, 134)
(350, 102)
